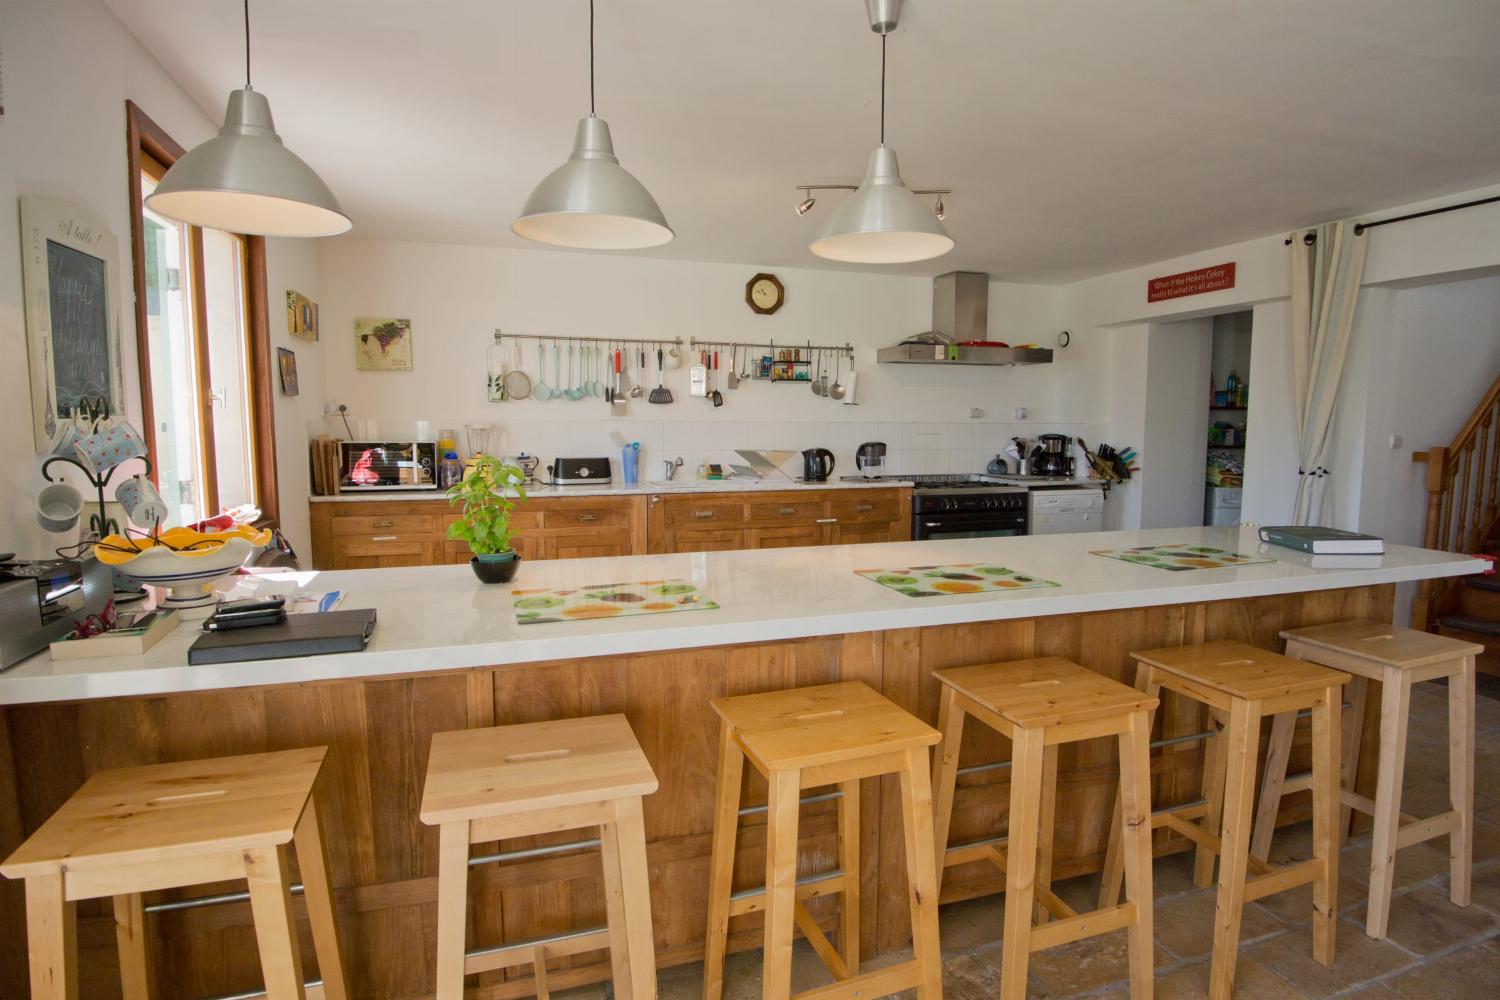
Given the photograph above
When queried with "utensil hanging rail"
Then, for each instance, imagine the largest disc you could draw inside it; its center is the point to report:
(848, 349)
(564, 339)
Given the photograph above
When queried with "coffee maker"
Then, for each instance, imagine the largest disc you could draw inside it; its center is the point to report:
(869, 459)
(1051, 457)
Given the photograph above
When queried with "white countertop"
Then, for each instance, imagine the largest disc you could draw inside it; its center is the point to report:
(441, 618)
(623, 489)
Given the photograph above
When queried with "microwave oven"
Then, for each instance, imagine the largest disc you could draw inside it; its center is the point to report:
(387, 465)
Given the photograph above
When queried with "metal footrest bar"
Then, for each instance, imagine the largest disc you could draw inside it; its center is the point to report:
(224, 897)
(311, 984)
(823, 797)
(534, 852)
(538, 942)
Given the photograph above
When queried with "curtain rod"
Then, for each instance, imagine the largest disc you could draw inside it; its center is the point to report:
(1360, 227)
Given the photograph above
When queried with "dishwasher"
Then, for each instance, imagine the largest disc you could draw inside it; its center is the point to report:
(1065, 510)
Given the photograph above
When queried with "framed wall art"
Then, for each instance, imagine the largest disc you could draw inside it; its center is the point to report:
(301, 316)
(382, 345)
(286, 364)
(69, 272)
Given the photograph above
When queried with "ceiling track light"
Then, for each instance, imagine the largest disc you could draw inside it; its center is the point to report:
(591, 202)
(244, 180)
(805, 206)
(883, 222)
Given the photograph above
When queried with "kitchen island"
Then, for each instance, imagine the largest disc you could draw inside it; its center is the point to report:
(449, 654)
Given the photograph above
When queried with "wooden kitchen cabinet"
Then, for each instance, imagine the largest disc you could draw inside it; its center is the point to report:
(697, 522)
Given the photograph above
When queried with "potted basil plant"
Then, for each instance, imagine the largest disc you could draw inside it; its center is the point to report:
(488, 494)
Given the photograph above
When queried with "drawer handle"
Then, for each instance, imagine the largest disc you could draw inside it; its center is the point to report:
(587, 518)
(787, 510)
(703, 513)
(383, 524)
(384, 538)
(828, 520)
(865, 508)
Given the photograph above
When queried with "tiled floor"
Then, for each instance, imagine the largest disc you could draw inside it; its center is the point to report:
(1434, 949)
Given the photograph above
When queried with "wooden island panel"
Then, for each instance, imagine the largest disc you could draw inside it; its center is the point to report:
(384, 862)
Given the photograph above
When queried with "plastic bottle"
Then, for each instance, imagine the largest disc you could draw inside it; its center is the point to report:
(450, 470)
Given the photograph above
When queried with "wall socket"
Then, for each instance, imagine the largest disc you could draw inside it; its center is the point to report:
(1020, 413)
(975, 413)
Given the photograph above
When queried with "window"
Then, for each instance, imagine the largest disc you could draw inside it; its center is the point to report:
(202, 339)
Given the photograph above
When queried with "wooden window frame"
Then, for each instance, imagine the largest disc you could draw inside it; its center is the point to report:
(147, 141)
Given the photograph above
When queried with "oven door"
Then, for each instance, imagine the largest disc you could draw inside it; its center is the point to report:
(987, 524)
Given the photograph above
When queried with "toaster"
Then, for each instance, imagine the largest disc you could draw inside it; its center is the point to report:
(581, 472)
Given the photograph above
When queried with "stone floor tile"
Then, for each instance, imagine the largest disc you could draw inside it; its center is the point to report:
(1171, 875)
(971, 923)
(1185, 925)
(1252, 981)
(1484, 887)
(1470, 974)
(972, 976)
(1357, 960)
(1086, 965)
(1424, 921)
(1369, 993)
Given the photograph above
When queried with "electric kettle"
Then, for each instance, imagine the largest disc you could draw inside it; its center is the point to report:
(817, 465)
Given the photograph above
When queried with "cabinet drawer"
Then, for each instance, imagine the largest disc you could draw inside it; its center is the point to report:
(376, 524)
(787, 512)
(876, 508)
(687, 512)
(585, 517)
(384, 545)
(519, 520)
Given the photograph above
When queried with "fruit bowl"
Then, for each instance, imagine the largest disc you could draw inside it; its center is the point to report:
(183, 561)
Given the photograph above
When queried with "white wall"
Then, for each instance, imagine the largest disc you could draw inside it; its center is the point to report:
(456, 296)
(69, 67)
(1178, 357)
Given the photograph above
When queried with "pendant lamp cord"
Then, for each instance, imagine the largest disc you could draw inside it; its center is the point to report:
(591, 56)
(882, 86)
(247, 44)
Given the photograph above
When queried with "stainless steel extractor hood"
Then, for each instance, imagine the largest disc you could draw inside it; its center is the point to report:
(960, 314)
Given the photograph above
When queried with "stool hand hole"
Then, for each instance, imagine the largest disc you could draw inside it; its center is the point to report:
(1054, 682)
(1236, 663)
(1377, 638)
(207, 793)
(832, 713)
(516, 758)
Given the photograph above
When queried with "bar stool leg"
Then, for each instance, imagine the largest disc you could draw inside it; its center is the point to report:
(945, 773)
(1278, 751)
(1113, 873)
(1395, 702)
(721, 863)
(137, 973)
(614, 909)
(849, 903)
(1358, 690)
(781, 883)
(453, 906)
(312, 860)
(1215, 764)
(1239, 748)
(1046, 829)
(1135, 802)
(1461, 780)
(51, 939)
(1325, 796)
(921, 880)
(266, 871)
(630, 830)
(1020, 860)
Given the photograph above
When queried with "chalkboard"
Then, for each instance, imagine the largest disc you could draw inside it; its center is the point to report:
(78, 292)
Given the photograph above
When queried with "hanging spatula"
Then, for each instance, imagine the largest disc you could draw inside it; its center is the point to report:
(661, 394)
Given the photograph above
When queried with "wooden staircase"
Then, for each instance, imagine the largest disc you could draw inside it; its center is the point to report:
(1463, 515)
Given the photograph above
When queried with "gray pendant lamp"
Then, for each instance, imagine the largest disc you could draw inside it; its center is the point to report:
(591, 202)
(883, 222)
(245, 181)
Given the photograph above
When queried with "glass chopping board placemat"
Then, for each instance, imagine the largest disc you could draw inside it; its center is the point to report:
(608, 600)
(955, 578)
(1181, 556)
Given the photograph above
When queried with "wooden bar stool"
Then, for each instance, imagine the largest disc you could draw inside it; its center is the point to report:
(138, 829)
(1397, 658)
(1040, 704)
(1247, 684)
(544, 777)
(834, 734)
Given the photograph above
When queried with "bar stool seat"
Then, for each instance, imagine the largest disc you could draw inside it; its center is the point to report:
(1040, 704)
(1242, 684)
(139, 829)
(1397, 658)
(833, 734)
(545, 777)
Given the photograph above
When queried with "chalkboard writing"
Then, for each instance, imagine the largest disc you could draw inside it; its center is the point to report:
(80, 327)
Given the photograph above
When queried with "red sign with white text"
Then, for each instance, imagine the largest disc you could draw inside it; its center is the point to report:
(1205, 279)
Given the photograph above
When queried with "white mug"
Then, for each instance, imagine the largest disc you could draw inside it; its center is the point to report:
(58, 507)
(143, 504)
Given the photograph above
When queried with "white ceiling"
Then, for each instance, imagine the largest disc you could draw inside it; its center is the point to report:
(1079, 137)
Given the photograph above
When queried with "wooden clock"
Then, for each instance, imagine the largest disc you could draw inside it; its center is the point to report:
(765, 294)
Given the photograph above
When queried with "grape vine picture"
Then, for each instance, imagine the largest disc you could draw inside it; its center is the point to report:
(382, 345)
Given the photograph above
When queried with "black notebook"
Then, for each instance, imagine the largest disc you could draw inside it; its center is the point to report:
(299, 635)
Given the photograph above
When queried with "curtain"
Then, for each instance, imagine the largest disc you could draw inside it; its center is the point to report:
(1325, 288)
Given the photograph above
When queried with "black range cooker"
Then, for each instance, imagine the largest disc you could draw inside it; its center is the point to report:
(950, 506)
